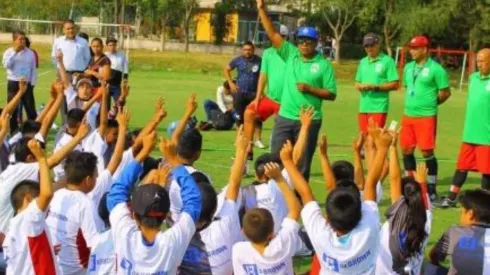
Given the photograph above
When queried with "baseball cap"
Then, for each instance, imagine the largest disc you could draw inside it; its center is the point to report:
(308, 32)
(419, 41)
(84, 81)
(370, 39)
(151, 200)
(283, 30)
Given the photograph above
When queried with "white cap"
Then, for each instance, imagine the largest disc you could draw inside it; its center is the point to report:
(283, 30)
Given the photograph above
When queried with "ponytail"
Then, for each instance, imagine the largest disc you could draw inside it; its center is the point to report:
(415, 219)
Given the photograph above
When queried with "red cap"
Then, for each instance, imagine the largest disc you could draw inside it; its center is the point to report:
(419, 42)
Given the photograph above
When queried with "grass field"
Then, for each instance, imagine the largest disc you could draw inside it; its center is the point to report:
(175, 75)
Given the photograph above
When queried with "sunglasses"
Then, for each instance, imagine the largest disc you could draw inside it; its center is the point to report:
(306, 41)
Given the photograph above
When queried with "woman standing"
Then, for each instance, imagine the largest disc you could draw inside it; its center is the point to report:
(99, 69)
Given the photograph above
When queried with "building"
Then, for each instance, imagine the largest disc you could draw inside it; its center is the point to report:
(242, 25)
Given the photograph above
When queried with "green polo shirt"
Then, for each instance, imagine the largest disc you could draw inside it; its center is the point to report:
(317, 72)
(423, 83)
(477, 120)
(378, 71)
(273, 66)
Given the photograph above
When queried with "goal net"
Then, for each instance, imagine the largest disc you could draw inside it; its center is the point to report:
(459, 63)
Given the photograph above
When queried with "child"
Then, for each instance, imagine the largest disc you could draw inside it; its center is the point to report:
(141, 247)
(467, 243)
(268, 253)
(27, 247)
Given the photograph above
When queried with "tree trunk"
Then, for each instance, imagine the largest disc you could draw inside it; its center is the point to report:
(387, 41)
(163, 32)
(186, 41)
(137, 20)
(121, 20)
(115, 16)
(337, 49)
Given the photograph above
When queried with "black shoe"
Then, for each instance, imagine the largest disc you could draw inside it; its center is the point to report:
(446, 203)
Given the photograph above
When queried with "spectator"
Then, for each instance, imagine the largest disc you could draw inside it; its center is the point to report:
(119, 71)
(222, 107)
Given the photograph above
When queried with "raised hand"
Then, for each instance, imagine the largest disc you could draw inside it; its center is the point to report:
(359, 143)
(273, 171)
(59, 87)
(59, 56)
(160, 111)
(286, 153)
(322, 145)
(36, 149)
(149, 141)
(123, 117)
(241, 141)
(306, 115)
(191, 106)
(260, 4)
(164, 171)
(169, 151)
(83, 130)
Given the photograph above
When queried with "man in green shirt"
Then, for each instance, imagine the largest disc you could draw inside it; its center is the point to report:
(427, 87)
(475, 150)
(376, 77)
(309, 79)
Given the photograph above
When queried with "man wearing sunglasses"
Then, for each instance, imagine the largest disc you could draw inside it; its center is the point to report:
(309, 79)
(376, 77)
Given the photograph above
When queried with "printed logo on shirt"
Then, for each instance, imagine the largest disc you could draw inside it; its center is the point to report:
(127, 265)
(468, 243)
(332, 263)
(250, 269)
(378, 68)
(425, 72)
(94, 262)
(315, 67)
(255, 68)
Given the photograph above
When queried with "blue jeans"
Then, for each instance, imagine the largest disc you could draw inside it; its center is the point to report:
(209, 106)
(114, 92)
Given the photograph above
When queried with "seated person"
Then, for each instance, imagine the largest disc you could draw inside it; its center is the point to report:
(221, 110)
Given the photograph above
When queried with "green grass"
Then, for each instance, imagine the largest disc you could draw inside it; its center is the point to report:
(175, 75)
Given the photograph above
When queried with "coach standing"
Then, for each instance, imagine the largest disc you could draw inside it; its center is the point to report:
(475, 150)
(20, 63)
(376, 77)
(309, 79)
(248, 71)
(427, 87)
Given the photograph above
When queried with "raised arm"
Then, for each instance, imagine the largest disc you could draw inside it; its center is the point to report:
(189, 111)
(12, 105)
(61, 68)
(123, 120)
(238, 167)
(104, 112)
(57, 157)
(395, 171)
(275, 38)
(305, 116)
(40, 116)
(124, 90)
(53, 111)
(272, 170)
(87, 105)
(358, 167)
(160, 114)
(4, 126)
(328, 176)
(297, 178)
(46, 187)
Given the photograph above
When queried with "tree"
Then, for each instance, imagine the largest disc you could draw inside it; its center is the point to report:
(339, 15)
(167, 10)
(190, 7)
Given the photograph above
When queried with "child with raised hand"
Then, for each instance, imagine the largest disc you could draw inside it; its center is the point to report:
(467, 243)
(140, 245)
(210, 250)
(27, 246)
(267, 253)
(346, 240)
(405, 233)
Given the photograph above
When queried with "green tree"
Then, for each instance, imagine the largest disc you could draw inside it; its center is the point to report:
(190, 7)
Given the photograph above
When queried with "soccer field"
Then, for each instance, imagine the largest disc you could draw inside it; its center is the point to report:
(175, 75)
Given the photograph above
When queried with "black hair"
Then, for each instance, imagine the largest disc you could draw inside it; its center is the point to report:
(258, 225)
(349, 184)
(79, 165)
(478, 201)
(112, 123)
(110, 40)
(343, 207)
(249, 43)
(190, 144)
(74, 117)
(83, 35)
(104, 211)
(68, 21)
(30, 127)
(226, 85)
(22, 151)
(96, 39)
(343, 170)
(21, 190)
(16, 34)
(149, 222)
(261, 161)
(130, 137)
(209, 203)
(28, 42)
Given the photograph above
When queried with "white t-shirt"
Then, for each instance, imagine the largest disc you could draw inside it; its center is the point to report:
(102, 257)
(127, 158)
(27, 246)
(353, 253)
(212, 251)
(59, 171)
(379, 193)
(384, 263)
(9, 178)
(95, 144)
(222, 99)
(102, 185)
(277, 257)
(71, 223)
(136, 256)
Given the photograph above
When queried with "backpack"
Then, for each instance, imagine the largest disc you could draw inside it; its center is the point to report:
(222, 121)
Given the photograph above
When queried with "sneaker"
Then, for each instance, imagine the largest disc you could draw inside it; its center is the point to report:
(446, 203)
(259, 144)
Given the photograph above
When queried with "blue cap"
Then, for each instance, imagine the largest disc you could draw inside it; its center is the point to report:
(308, 32)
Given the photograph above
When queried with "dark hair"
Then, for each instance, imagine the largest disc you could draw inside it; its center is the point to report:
(79, 165)
(209, 203)
(110, 40)
(343, 170)
(261, 161)
(28, 42)
(16, 34)
(83, 35)
(226, 85)
(98, 40)
(190, 144)
(149, 222)
(22, 151)
(103, 210)
(129, 139)
(343, 209)
(112, 123)
(415, 218)
(68, 21)
(30, 127)
(350, 184)
(478, 201)
(21, 190)
(258, 225)
(249, 43)
(74, 117)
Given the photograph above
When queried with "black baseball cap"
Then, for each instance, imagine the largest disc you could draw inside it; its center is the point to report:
(151, 200)
(370, 39)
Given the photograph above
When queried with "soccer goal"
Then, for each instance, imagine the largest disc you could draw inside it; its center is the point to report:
(458, 62)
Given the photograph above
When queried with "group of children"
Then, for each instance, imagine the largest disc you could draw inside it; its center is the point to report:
(113, 209)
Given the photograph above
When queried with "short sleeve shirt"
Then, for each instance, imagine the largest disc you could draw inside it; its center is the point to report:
(102, 256)
(274, 67)
(248, 71)
(379, 71)
(423, 83)
(477, 120)
(317, 72)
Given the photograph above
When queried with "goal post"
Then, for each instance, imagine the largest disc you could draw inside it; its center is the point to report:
(463, 61)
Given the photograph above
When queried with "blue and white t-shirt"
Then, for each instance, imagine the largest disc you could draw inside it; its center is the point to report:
(248, 71)
(102, 257)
